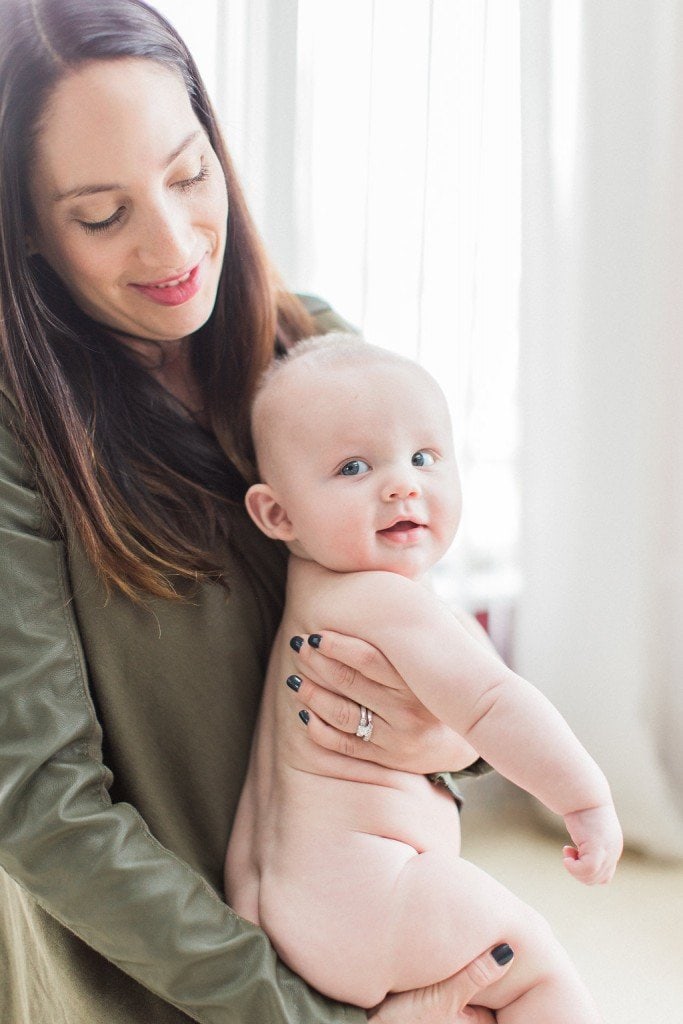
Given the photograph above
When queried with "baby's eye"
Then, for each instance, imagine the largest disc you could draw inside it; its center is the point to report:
(423, 458)
(354, 468)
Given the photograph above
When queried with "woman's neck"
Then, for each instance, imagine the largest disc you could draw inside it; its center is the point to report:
(170, 364)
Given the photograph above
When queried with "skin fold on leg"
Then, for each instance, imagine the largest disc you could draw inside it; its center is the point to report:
(407, 920)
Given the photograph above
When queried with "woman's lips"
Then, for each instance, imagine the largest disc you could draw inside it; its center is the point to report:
(173, 291)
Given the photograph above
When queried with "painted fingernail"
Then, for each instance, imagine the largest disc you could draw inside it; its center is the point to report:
(296, 643)
(305, 717)
(315, 640)
(502, 954)
(293, 682)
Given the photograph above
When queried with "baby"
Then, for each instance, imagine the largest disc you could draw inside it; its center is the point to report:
(353, 869)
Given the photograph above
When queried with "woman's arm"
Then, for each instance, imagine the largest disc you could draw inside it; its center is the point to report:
(93, 864)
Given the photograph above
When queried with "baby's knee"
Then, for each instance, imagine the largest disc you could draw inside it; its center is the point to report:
(534, 924)
(533, 939)
(542, 966)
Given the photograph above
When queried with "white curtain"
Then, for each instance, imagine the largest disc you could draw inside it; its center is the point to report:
(407, 208)
(246, 51)
(600, 625)
(378, 144)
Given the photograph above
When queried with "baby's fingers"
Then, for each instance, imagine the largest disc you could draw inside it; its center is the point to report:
(588, 868)
(580, 870)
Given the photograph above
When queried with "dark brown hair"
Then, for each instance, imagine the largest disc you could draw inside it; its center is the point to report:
(148, 496)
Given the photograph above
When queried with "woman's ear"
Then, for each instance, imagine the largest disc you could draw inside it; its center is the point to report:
(267, 513)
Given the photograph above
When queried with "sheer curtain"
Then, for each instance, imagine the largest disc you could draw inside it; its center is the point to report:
(600, 625)
(377, 140)
(408, 168)
(379, 145)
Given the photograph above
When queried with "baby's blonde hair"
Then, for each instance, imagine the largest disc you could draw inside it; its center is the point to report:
(335, 347)
(338, 348)
(332, 349)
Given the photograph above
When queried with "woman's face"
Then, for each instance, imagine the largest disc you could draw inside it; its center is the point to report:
(129, 199)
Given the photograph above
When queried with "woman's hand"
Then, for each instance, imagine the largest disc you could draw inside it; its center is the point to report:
(337, 674)
(449, 1001)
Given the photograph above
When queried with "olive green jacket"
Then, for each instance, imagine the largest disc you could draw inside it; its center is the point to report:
(124, 738)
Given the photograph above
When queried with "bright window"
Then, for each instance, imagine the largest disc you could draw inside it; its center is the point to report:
(409, 201)
(379, 145)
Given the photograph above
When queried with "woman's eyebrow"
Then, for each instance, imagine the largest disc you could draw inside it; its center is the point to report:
(91, 190)
(187, 141)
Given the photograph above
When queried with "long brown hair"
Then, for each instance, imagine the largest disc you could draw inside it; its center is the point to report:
(148, 495)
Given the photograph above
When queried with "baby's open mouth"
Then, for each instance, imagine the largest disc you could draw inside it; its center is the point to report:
(402, 526)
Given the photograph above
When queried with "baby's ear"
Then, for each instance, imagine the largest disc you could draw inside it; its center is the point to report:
(267, 513)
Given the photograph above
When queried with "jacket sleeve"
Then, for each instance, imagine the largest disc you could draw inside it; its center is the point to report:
(326, 318)
(90, 863)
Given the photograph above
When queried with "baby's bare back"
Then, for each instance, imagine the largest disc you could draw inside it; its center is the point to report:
(354, 872)
(320, 839)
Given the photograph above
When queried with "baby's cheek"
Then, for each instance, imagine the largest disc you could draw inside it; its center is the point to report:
(356, 552)
(448, 519)
(340, 548)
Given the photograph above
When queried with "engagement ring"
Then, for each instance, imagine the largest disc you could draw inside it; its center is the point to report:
(364, 730)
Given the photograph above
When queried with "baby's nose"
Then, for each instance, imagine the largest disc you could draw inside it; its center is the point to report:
(400, 488)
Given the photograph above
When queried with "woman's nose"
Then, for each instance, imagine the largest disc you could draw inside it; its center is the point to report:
(167, 240)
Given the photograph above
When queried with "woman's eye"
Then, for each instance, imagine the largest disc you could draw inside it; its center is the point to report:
(93, 227)
(354, 468)
(423, 458)
(189, 183)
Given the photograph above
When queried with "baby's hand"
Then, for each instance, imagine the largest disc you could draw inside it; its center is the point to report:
(598, 843)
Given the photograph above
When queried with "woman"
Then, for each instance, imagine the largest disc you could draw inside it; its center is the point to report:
(137, 604)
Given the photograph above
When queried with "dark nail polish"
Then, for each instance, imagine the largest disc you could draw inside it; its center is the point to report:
(305, 717)
(502, 954)
(293, 682)
(296, 643)
(315, 640)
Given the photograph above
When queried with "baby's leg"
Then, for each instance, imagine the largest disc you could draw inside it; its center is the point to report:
(446, 911)
(383, 918)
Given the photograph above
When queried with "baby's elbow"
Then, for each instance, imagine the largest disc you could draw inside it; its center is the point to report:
(482, 712)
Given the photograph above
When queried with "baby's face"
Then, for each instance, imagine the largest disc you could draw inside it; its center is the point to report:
(363, 463)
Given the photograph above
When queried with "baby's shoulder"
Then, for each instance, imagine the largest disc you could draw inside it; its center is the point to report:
(310, 577)
(354, 598)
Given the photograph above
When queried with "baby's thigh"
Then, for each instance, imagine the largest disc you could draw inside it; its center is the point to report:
(359, 916)
(446, 911)
(328, 911)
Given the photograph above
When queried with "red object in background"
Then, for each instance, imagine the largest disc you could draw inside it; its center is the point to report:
(482, 618)
(498, 621)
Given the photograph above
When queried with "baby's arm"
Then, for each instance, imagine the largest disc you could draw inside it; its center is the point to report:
(506, 719)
